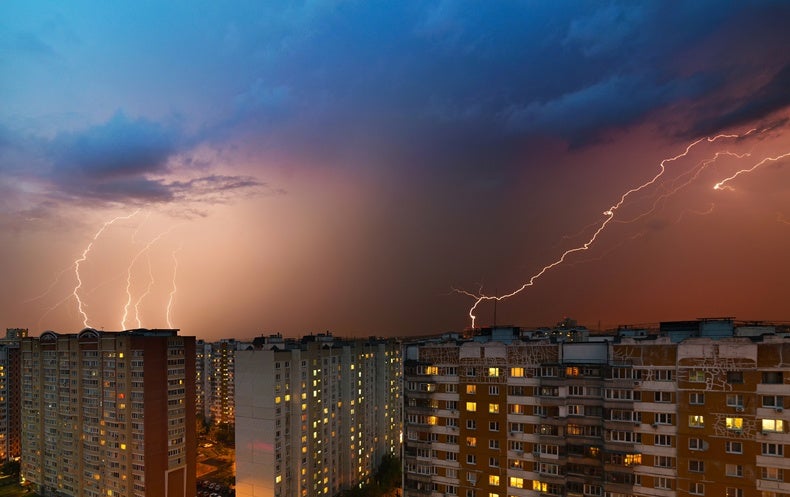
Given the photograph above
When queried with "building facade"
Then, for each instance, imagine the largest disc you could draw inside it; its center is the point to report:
(693, 409)
(215, 379)
(315, 417)
(10, 388)
(109, 413)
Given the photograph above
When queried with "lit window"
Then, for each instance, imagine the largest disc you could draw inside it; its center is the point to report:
(517, 373)
(516, 482)
(696, 421)
(734, 423)
(471, 389)
(493, 480)
(539, 486)
(471, 406)
(471, 441)
(493, 408)
(572, 371)
(773, 425)
(493, 371)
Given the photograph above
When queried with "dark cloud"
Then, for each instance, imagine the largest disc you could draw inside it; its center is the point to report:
(119, 148)
(773, 96)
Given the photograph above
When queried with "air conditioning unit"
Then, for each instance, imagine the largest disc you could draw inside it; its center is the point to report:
(739, 409)
(655, 425)
(779, 409)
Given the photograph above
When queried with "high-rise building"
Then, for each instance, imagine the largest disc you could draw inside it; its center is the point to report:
(10, 388)
(692, 408)
(109, 414)
(316, 416)
(215, 385)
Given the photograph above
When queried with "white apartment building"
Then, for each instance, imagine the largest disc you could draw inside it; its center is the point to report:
(316, 416)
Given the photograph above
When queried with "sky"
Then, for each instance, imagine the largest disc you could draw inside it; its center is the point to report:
(234, 169)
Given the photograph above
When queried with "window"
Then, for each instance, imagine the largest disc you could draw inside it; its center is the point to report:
(517, 373)
(663, 375)
(664, 440)
(775, 425)
(471, 459)
(735, 400)
(493, 425)
(664, 462)
(735, 470)
(493, 462)
(493, 372)
(471, 441)
(769, 473)
(471, 424)
(773, 401)
(772, 449)
(470, 492)
(773, 377)
(735, 424)
(572, 371)
(733, 447)
(696, 488)
(697, 376)
(697, 466)
(547, 371)
(575, 410)
(451, 388)
(697, 398)
(575, 391)
(452, 456)
(663, 418)
(493, 480)
(516, 482)
(734, 377)
(493, 408)
(662, 396)
(696, 421)
(493, 444)
(493, 390)
(696, 444)
(662, 482)
(471, 389)
(471, 406)
(592, 489)
(452, 439)
(734, 492)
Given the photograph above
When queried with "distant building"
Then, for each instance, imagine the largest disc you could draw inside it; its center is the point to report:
(215, 386)
(10, 388)
(316, 416)
(691, 408)
(109, 413)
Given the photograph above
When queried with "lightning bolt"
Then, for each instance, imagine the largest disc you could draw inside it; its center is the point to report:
(608, 217)
(173, 291)
(696, 170)
(144, 294)
(722, 185)
(83, 258)
(129, 275)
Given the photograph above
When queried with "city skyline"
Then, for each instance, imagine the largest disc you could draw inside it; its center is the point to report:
(363, 168)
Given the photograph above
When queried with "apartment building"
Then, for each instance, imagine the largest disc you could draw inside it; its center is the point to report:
(691, 408)
(10, 388)
(315, 416)
(215, 379)
(109, 413)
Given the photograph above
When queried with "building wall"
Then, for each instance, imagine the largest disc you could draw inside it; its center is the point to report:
(107, 414)
(312, 420)
(662, 417)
